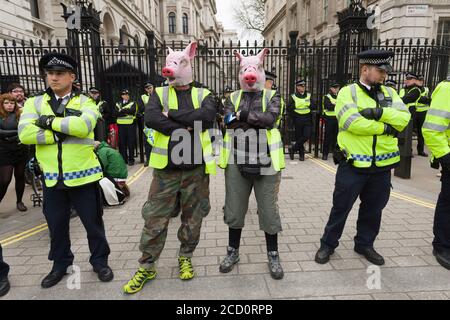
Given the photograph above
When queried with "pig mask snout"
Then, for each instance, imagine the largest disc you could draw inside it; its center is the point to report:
(167, 72)
(250, 78)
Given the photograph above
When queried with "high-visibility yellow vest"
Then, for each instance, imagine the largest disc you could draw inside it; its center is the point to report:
(403, 93)
(436, 128)
(363, 140)
(160, 157)
(73, 160)
(145, 98)
(302, 105)
(422, 107)
(129, 118)
(326, 112)
(274, 141)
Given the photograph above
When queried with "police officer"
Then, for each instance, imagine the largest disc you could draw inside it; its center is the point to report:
(61, 122)
(127, 111)
(226, 94)
(299, 109)
(411, 95)
(4, 270)
(270, 79)
(437, 137)
(391, 83)
(370, 115)
(149, 90)
(422, 106)
(100, 130)
(329, 115)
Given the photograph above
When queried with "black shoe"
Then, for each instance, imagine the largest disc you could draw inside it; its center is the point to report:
(276, 271)
(423, 154)
(291, 153)
(323, 254)
(104, 274)
(325, 157)
(21, 206)
(443, 258)
(301, 156)
(131, 163)
(52, 279)
(371, 255)
(146, 163)
(4, 286)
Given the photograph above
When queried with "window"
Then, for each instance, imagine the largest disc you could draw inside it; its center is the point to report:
(325, 10)
(308, 17)
(185, 24)
(172, 22)
(443, 32)
(34, 7)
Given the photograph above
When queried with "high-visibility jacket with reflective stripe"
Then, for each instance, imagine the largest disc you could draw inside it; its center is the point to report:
(422, 107)
(274, 141)
(302, 106)
(145, 98)
(436, 128)
(129, 118)
(363, 140)
(73, 160)
(326, 112)
(403, 93)
(159, 157)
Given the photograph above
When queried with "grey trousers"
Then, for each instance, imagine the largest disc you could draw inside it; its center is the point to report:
(238, 190)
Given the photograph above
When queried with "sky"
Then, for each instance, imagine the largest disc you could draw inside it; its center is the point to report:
(225, 14)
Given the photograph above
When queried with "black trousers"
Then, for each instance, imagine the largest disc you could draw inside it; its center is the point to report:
(419, 119)
(127, 141)
(331, 132)
(148, 150)
(373, 190)
(303, 130)
(87, 202)
(441, 227)
(4, 267)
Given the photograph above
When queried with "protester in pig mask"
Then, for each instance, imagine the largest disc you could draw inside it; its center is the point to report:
(181, 173)
(252, 156)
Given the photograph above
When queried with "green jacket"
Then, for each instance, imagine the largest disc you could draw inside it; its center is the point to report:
(113, 164)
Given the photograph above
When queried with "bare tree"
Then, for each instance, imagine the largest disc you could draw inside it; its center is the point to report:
(250, 15)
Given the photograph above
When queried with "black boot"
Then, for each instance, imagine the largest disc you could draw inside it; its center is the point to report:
(291, 152)
(52, 279)
(4, 286)
(230, 260)
(301, 155)
(325, 157)
(443, 257)
(323, 254)
(371, 255)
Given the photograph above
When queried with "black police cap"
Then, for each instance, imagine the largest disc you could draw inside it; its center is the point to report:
(380, 58)
(300, 82)
(421, 77)
(335, 85)
(411, 75)
(270, 75)
(94, 89)
(228, 89)
(124, 91)
(148, 84)
(391, 82)
(58, 62)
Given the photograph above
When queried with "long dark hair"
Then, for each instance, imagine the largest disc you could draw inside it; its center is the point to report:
(9, 97)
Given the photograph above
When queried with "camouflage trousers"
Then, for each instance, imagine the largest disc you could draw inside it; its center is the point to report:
(170, 192)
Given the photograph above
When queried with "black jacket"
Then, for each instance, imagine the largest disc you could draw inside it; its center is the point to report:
(182, 118)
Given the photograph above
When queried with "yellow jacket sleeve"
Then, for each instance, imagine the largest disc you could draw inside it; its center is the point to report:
(29, 133)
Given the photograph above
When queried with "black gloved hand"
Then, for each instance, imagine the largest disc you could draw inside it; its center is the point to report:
(445, 162)
(243, 115)
(390, 130)
(45, 122)
(12, 139)
(59, 136)
(372, 113)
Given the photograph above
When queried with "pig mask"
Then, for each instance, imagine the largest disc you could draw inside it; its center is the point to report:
(178, 69)
(251, 71)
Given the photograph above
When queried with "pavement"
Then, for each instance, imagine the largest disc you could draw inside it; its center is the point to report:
(411, 271)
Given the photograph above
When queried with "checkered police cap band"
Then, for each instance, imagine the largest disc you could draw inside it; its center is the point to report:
(58, 62)
(376, 61)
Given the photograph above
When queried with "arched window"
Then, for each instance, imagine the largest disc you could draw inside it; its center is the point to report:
(172, 23)
(185, 23)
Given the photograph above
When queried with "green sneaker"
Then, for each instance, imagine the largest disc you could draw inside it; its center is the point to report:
(186, 270)
(139, 279)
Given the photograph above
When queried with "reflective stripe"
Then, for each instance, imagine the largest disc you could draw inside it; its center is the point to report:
(353, 91)
(275, 146)
(387, 156)
(163, 152)
(82, 141)
(390, 91)
(346, 108)
(435, 127)
(165, 99)
(88, 122)
(27, 116)
(40, 137)
(439, 113)
(38, 104)
(235, 97)
(65, 125)
(21, 127)
(200, 96)
(81, 174)
(83, 99)
(90, 112)
(399, 106)
(268, 94)
(362, 157)
(350, 120)
(50, 176)
(208, 158)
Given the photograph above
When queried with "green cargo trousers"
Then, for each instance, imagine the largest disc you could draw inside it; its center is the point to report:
(238, 190)
(171, 190)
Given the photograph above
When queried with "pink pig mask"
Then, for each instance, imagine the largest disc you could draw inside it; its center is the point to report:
(178, 69)
(252, 76)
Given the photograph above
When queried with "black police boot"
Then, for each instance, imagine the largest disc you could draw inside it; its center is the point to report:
(104, 274)
(4, 286)
(443, 257)
(371, 255)
(325, 157)
(323, 254)
(276, 271)
(301, 155)
(423, 154)
(230, 260)
(52, 279)
(291, 152)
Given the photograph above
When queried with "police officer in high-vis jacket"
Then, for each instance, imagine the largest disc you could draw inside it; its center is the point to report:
(437, 137)
(329, 115)
(370, 115)
(127, 111)
(143, 101)
(61, 122)
(299, 107)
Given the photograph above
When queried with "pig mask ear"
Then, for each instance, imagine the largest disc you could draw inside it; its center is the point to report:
(238, 55)
(263, 54)
(191, 50)
(170, 50)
